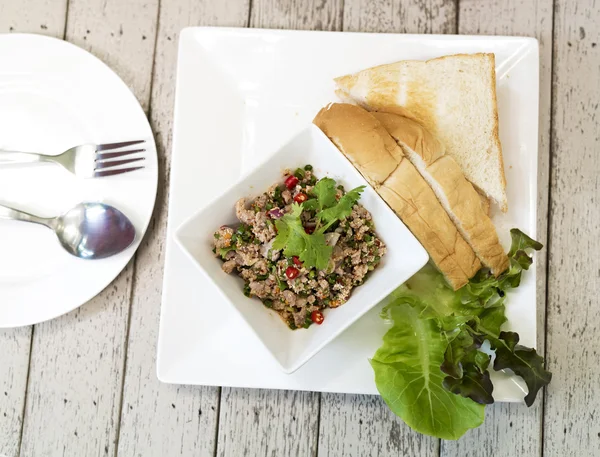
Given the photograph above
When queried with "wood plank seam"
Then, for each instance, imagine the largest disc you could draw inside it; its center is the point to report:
(125, 349)
(549, 217)
(64, 33)
(26, 392)
(456, 31)
(219, 392)
(319, 410)
(248, 21)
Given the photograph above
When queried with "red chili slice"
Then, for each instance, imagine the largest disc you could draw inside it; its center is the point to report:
(292, 272)
(317, 317)
(291, 182)
(300, 198)
(310, 230)
(297, 261)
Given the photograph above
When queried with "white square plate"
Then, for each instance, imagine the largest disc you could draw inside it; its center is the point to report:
(241, 95)
(405, 255)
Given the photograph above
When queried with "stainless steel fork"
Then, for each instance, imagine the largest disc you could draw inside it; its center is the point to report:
(87, 160)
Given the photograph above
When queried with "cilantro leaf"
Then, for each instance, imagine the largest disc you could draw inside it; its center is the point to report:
(311, 205)
(325, 191)
(312, 249)
(293, 239)
(343, 208)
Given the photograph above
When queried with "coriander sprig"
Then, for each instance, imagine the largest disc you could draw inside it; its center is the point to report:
(312, 249)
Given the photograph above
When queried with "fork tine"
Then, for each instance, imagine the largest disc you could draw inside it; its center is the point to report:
(104, 147)
(114, 155)
(111, 172)
(116, 163)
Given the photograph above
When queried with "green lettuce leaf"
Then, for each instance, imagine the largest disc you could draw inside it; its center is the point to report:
(409, 379)
(486, 290)
(474, 384)
(466, 367)
(521, 242)
(523, 361)
(433, 348)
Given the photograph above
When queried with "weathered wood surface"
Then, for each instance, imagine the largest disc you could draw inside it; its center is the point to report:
(45, 17)
(514, 429)
(76, 370)
(572, 406)
(297, 14)
(158, 419)
(357, 425)
(90, 387)
(15, 344)
(268, 422)
(400, 16)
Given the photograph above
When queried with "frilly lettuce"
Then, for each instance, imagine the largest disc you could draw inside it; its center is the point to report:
(430, 370)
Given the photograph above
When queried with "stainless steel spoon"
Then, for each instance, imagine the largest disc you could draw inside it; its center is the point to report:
(88, 231)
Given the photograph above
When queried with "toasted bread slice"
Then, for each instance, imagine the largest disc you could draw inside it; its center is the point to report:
(457, 195)
(364, 141)
(455, 98)
(485, 202)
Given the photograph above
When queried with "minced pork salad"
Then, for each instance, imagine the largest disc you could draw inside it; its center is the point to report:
(301, 247)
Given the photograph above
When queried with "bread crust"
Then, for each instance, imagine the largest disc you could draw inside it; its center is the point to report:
(366, 143)
(457, 195)
(393, 88)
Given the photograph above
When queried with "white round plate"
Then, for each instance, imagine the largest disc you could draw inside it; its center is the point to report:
(54, 95)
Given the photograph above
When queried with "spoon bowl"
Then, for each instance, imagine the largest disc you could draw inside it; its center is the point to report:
(94, 231)
(88, 230)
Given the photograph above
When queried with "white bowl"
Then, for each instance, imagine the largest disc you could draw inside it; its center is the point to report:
(292, 348)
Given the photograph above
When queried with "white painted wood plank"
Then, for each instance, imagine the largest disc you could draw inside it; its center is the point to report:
(75, 378)
(159, 419)
(14, 365)
(361, 425)
(76, 372)
(46, 17)
(357, 424)
(572, 406)
(400, 16)
(122, 34)
(514, 429)
(297, 14)
(268, 422)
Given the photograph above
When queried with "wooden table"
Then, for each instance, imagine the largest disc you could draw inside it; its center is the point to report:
(85, 384)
